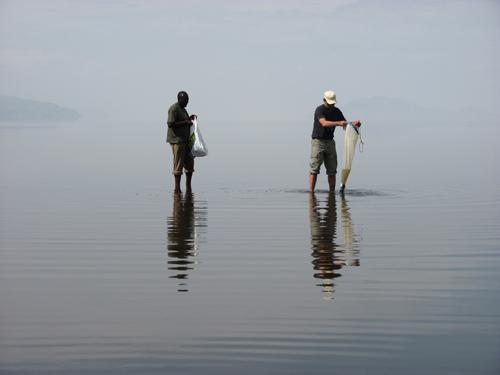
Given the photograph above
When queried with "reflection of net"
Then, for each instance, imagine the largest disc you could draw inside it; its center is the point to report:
(351, 253)
(183, 236)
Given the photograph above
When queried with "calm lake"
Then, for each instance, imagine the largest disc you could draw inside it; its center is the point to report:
(103, 270)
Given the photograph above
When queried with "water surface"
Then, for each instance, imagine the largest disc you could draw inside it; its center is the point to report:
(105, 271)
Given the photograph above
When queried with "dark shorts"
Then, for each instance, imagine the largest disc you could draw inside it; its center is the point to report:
(323, 151)
(182, 159)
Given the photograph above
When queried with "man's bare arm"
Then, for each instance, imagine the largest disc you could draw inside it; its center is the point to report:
(331, 124)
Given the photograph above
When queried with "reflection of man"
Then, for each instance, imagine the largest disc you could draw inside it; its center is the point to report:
(329, 256)
(323, 241)
(180, 236)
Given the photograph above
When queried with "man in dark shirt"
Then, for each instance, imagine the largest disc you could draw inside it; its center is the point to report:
(179, 123)
(326, 118)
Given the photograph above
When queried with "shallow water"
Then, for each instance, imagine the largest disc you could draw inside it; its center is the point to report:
(105, 271)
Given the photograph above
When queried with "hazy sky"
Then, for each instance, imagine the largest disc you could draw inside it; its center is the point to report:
(249, 60)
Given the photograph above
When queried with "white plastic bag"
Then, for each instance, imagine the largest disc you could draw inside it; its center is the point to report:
(196, 143)
(351, 138)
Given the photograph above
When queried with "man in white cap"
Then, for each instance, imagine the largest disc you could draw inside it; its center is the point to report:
(326, 118)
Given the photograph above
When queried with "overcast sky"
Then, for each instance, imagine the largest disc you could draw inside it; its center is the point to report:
(249, 60)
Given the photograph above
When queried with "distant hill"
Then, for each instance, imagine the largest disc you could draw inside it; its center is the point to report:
(396, 109)
(23, 110)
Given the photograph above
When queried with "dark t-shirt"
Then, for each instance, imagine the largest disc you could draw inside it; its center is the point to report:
(329, 114)
(177, 134)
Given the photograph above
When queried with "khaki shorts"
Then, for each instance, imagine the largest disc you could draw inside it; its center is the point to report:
(323, 151)
(182, 158)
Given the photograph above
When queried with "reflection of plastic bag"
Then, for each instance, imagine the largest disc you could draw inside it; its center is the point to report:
(351, 138)
(196, 143)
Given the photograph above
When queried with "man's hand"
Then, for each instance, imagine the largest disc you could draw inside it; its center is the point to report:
(357, 123)
(193, 117)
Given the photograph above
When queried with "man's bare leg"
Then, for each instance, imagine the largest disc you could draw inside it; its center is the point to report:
(312, 182)
(331, 183)
(189, 176)
(177, 183)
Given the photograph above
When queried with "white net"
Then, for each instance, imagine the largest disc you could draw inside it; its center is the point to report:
(351, 138)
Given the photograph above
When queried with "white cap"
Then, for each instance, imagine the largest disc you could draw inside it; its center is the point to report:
(330, 97)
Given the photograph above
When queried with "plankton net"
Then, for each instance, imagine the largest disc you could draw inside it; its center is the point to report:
(351, 138)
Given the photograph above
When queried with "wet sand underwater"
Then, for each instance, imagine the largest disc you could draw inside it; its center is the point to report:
(105, 271)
